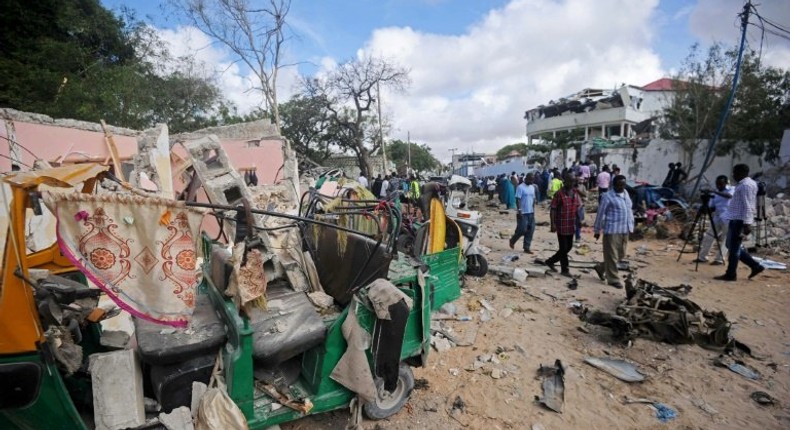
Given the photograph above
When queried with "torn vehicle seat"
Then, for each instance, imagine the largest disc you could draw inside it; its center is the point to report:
(289, 326)
(158, 344)
(346, 262)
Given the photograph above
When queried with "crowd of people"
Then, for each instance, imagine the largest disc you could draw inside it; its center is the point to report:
(733, 211)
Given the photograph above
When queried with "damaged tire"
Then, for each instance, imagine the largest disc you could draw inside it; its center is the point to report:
(476, 265)
(388, 404)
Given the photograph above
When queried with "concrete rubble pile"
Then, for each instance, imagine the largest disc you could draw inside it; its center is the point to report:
(777, 217)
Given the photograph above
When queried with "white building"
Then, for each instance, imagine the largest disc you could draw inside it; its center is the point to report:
(625, 112)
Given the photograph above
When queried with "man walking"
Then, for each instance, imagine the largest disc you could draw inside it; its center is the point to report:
(740, 215)
(615, 218)
(526, 197)
(490, 187)
(385, 188)
(602, 181)
(678, 175)
(564, 206)
(717, 204)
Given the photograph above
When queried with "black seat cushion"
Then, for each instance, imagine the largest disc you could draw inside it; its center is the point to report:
(289, 326)
(172, 383)
(160, 344)
(340, 269)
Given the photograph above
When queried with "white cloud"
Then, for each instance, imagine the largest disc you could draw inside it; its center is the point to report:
(471, 90)
(234, 79)
(717, 21)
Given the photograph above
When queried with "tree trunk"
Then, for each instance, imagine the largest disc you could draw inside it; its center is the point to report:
(363, 157)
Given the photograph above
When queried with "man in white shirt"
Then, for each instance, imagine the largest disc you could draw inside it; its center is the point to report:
(717, 204)
(363, 180)
(385, 186)
(740, 215)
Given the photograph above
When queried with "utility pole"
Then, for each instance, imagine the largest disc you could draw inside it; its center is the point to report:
(381, 129)
(452, 160)
(747, 8)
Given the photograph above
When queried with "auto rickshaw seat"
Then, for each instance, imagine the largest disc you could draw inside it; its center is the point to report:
(289, 326)
(158, 344)
(340, 269)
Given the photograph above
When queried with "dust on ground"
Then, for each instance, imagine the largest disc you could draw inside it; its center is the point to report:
(542, 331)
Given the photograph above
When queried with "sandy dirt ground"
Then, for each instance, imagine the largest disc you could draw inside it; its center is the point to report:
(539, 331)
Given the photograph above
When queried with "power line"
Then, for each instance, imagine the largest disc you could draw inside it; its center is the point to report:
(747, 8)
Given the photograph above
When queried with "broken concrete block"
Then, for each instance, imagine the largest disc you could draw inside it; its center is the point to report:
(116, 339)
(537, 272)
(198, 390)
(178, 419)
(153, 160)
(118, 400)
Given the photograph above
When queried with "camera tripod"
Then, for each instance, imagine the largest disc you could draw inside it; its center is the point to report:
(700, 220)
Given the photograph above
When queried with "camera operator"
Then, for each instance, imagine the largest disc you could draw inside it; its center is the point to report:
(717, 202)
(740, 214)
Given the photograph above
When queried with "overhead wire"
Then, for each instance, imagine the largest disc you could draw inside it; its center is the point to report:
(747, 8)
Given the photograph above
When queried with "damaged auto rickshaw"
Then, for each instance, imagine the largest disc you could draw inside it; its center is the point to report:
(282, 356)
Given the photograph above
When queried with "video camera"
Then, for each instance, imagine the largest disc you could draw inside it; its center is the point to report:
(705, 196)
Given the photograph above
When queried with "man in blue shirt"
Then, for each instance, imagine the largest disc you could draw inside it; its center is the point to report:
(526, 197)
(615, 218)
(718, 206)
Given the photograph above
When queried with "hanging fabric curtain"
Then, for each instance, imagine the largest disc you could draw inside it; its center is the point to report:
(142, 251)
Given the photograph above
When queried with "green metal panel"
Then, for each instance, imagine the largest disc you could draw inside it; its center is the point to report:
(52, 410)
(443, 283)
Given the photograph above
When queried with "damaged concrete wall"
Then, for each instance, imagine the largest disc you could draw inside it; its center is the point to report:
(650, 163)
(557, 160)
(62, 140)
(350, 165)
(260, 129)
(152, 161)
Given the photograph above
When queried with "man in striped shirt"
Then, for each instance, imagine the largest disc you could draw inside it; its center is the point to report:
(740, 216)
(615, 218)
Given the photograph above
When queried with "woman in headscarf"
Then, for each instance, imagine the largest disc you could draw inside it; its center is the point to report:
(510, 195)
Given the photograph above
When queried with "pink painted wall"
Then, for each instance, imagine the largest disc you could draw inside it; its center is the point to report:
(50, 142)
(266, 159)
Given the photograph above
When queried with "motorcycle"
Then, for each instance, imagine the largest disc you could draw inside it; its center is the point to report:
(469, 221)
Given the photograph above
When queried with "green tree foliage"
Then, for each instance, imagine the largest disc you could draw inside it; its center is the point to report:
(349, 93)
(75, 59)
(505, 151)
(422, 160)
(305, 123)
(759, 114)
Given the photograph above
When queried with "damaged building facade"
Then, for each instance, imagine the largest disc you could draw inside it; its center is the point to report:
(618, 127)
(622, 113)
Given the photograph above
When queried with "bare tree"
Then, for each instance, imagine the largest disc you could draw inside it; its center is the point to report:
(349, 93)
(255, 35)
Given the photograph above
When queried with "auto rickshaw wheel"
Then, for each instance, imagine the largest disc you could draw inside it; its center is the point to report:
(476, 265)
(386, 403)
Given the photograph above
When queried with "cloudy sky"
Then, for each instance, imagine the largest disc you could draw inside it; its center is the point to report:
(477, 65)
